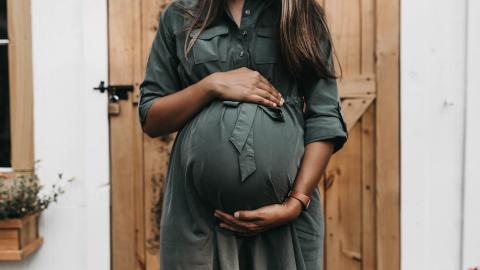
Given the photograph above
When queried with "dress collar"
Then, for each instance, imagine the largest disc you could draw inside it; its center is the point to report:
(255, 7)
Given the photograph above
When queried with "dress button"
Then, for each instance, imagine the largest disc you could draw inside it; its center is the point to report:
(241, 53)
(244, 33)
(247, 11)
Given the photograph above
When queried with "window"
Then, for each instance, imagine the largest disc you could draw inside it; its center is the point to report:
(5, 144)
(16, 87)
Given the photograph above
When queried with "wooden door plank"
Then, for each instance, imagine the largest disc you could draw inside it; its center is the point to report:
(367, 15)
(137, 144)
(156, 163)
(127, 233)
(344, 206)
(156, 152)
(369, 246)
(344, 21)
(388, 134)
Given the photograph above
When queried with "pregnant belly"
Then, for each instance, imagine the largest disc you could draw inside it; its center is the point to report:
(242, 157)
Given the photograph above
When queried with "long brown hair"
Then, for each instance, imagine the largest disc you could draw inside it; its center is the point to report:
(299, 18)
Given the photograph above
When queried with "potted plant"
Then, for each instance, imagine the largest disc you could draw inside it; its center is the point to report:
(21, 203)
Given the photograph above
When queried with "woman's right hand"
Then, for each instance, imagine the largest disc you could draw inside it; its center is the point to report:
(245, 85)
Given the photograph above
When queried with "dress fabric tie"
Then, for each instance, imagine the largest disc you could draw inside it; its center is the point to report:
(242, 134)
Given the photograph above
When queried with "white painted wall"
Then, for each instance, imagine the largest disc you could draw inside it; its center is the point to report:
(71, 133)
(439, 134)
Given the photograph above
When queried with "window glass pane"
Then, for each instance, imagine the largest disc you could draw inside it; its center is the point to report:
(5, 151)
(3, 19)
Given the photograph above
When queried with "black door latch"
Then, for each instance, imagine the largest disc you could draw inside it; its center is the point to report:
(115, 92)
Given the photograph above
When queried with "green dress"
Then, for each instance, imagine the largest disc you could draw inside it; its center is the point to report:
(235, 155)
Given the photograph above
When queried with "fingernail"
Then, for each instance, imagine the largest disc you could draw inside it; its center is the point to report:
(236, 214)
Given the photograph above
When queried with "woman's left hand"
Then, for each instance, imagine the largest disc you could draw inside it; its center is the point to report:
(252, 222)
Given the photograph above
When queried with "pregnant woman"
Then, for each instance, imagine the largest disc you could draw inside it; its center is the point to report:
(250, 87)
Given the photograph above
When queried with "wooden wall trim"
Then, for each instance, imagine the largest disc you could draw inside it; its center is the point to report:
(21, 84)
(388, 134)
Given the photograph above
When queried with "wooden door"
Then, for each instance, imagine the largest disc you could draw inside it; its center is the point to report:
(138, 163)
(361, 188)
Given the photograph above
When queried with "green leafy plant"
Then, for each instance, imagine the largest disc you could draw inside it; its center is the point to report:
(20, 194)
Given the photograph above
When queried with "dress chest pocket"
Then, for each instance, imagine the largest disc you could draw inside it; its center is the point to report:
(211, 44)
(267, 46)
(267, 57)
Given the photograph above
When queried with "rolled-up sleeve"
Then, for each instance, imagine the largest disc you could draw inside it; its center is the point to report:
(323, 115)
(161, 75)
